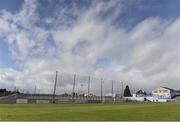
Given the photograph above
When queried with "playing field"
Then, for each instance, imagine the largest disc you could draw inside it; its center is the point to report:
(86, 112)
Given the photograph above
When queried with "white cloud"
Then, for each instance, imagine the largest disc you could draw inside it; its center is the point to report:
(144, 57)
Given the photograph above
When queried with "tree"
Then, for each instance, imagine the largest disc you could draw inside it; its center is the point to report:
(127, 92)
(3, 90)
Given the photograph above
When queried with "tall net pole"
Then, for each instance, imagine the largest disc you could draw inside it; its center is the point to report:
(74, 83)
(102, 90)
(89, 86)
(122, 88)
(112, 91)
(55, 83)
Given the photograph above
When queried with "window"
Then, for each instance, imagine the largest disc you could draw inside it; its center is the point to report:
(166, 91)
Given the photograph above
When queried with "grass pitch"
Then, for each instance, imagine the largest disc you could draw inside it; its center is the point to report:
(90, 112)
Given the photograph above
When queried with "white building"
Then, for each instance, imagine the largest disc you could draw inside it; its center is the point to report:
(160, 94)
(163, 93)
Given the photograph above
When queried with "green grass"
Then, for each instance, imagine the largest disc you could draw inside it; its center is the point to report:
(90, 112)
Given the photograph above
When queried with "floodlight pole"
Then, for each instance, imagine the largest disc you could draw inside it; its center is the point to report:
(55, 83)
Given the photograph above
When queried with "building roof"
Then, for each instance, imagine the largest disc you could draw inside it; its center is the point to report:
(178, 91)
(168, 88)
(172, 90)
(141, 92)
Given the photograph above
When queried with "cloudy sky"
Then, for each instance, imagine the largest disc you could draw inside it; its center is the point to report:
(134, 41)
